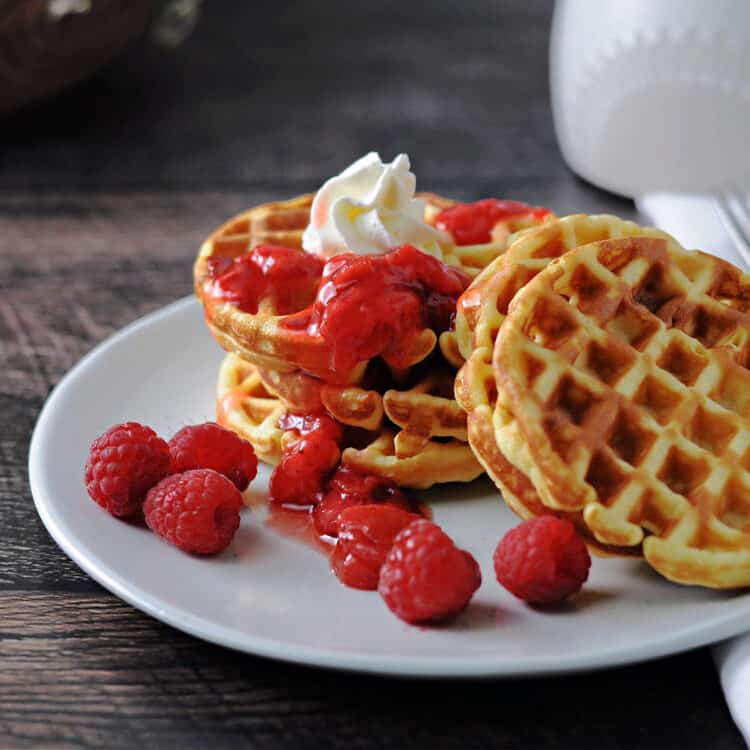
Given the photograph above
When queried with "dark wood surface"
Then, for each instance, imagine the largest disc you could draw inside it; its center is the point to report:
(105, 194)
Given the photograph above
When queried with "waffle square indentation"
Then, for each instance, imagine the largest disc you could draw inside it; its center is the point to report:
(733, 391)
(735, 510)
(518, 277)
(655, 289)
(588, 287)
(573, 399)
(656, 398)
(683, 473)
(551, 323)
(608, 362)
(629, 440)
(709, 326)
(605, 476)
(680, 361)
(633, 325)
(710, 430)
(531, 367)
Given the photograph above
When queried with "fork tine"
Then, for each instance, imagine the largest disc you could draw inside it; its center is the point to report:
(740, 211)
(739, 200)
(736, 221)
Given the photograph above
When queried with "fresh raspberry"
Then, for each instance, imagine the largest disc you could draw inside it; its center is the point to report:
(349, 487)
(299, 477)
(366, 534)
(197, 511)
(542, 561)
(122, 466)
(425, 577)
(209, 446)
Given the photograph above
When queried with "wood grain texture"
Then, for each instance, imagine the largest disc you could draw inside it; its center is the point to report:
(88, 671)
(104, 197)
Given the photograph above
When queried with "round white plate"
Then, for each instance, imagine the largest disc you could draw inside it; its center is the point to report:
(273, 596)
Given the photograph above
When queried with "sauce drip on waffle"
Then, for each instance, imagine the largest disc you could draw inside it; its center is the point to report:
(285, 276)
(472, 223)
(365, 305)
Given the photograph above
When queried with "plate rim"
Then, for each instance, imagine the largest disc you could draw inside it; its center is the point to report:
(463, 667)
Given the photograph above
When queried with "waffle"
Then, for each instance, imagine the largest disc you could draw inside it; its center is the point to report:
(415, 436)
(529, 251)
(480, 314)
(623, 394)
(244, 405)
(261, 338)
(435, 463)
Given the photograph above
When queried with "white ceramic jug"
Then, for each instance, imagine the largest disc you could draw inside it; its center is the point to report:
(653, 95)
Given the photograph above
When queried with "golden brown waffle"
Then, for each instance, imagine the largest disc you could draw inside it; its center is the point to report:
(435, 463)
(245, 406)
(528, 253)
(260, 338)
(623, 393)
(252, 401)
(480, 314)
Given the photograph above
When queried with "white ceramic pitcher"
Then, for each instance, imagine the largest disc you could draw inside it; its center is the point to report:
(653, 95)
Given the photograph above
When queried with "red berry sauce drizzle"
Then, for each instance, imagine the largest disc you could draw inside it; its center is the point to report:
(362, 306)
(309, 489)
(472, 223)
(287, 278)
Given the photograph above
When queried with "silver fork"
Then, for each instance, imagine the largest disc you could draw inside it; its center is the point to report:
(734, 210)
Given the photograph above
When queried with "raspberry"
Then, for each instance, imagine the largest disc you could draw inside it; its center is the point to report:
(197, 511)
(349, 487)
(123, 464)
(209, 446)
(366, 534)
(425, 577)
(542, 561)
(298, 479)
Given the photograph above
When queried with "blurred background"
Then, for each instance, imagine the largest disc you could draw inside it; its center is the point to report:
(280, 94)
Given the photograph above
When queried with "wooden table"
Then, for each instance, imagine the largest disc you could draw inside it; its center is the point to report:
(104, 196)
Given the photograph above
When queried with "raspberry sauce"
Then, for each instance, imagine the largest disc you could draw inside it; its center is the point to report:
(348, 488)
(288, 278)
(229, 403)
(360, 306)
(296, 524)
(371, 305)
(305, 425)
(472, 223)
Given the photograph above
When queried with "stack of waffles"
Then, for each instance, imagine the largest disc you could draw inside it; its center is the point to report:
(402, 423)
(606, 381)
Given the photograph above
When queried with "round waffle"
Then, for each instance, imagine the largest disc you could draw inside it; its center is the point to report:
(244, 405)
(415, 436)
(480, 313)
(623, 393)
(262, 338)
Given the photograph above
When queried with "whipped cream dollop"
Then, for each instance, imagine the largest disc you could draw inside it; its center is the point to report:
(369, 209)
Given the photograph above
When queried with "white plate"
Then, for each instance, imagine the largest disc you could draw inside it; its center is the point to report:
(273, 596)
